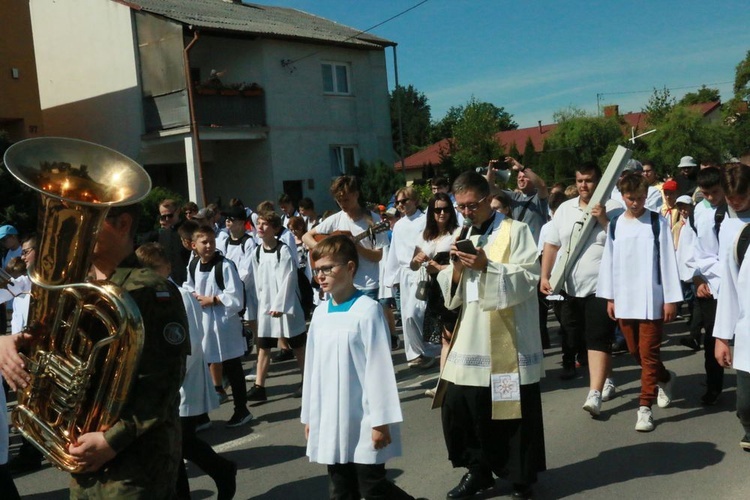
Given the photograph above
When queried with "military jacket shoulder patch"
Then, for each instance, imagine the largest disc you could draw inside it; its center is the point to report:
(174, 333)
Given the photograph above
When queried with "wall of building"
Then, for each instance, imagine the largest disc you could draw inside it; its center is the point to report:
(88, 83)
(20, 112)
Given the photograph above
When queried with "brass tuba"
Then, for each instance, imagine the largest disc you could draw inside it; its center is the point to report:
(87, 336)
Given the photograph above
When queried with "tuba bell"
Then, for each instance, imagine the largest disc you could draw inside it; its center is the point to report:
(86, 336)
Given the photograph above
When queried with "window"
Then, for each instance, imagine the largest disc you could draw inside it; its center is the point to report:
(343, 160)
(335, 78)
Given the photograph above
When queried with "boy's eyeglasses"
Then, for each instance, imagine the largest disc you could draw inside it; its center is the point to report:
(27, 251)
(325, 270)
(165, 216)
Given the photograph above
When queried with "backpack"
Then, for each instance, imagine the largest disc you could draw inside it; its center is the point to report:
(219, 276)
(243, 239)
(655, 229)
(740, 248)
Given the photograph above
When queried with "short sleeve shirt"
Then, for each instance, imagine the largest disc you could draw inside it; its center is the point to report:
(368, 273)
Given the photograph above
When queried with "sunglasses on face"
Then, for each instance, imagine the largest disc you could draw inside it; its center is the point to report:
(402, 200)
(441, 210)
(165, 216)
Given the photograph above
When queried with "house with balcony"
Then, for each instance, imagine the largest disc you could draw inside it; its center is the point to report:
(20, 114)
(216, 98)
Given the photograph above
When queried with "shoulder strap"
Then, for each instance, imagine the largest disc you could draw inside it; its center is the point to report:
(277, 250)
(218, 274)
(525, 208)
(691, 220)
(656, 229)
(743, 241)
(192, 266)
(243, 239)
(612, 225)
(719, 215)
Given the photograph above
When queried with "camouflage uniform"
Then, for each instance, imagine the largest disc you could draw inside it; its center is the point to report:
(147, 435)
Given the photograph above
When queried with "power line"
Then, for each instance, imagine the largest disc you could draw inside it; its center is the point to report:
(668, 88)
(287, 62)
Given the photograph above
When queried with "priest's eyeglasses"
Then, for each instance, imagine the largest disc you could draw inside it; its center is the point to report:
(471, 207)
(325, 270)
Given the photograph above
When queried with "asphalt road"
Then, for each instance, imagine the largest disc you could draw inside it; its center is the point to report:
(692, 453)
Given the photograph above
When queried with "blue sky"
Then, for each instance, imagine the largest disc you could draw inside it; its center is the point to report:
(536, 57)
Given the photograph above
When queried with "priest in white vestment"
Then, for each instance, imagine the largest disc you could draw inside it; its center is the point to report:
(489, 388)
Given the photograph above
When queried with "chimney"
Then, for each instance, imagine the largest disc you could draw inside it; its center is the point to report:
(540, 126)
(611, 110)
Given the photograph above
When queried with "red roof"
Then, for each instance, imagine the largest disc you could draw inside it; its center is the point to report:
(434, 153)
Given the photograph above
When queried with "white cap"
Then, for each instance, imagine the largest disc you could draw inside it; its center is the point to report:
(687, 200)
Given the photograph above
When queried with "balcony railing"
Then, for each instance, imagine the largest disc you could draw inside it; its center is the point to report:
(220, 108)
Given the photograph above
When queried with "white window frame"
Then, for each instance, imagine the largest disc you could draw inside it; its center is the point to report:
(334, 65)
(338, 159)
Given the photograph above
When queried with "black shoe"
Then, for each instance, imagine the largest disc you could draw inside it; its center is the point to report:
(568, 373)
(226, 485)
(22, 464)
(710, 397)
(298, 392)
(239, 418)
(691, 343)
(283, 355)
(521, 491)
(256, 393)
(471, 484)
(618, 347)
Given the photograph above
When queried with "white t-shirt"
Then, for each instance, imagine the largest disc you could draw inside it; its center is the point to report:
(368, 274)
(582, 278)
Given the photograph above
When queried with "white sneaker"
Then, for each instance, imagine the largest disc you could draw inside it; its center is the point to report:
(664, 398)
(645, 422)
(593, 403)
(250, 377)
(430, 392)
(609, 391)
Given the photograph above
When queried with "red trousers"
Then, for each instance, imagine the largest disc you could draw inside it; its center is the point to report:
(644, 343)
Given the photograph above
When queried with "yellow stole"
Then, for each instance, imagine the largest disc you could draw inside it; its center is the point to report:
(504, 378)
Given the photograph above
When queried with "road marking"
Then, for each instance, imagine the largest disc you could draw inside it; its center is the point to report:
(236, 443)
(418, 383)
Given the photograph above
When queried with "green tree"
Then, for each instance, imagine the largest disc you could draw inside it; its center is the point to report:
(20, 204)
(704, 94)
(736, 110)
(685, 132)
(378, 181)
(577, 138)
(443, 129)
(514, 152)
(659, 105)
(415, 119)
(150, 208)
(529, 154)
(474, 134)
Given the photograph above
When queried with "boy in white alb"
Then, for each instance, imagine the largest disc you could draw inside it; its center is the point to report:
(223, 345)
(638, 277)
(733, 308)
(350, 404)
(280, 312)
(197, 395)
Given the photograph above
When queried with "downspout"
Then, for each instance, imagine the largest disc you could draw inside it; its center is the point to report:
(398, 112)
(191, 109)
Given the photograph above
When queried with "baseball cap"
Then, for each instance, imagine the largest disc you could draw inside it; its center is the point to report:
(7, 230)
(235, 212)
(687, 200)
(670, 186)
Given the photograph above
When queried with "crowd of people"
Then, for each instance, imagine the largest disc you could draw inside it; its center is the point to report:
(469, 279)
